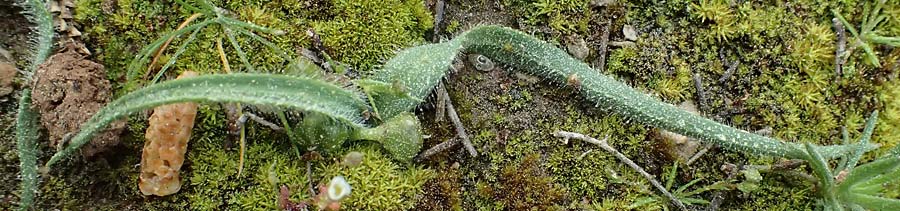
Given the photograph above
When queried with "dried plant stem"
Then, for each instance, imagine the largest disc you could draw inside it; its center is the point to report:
(701, 94)
(460, 130)
(441, 103)
(699, 154)
(312, 189)
(166, 44)
(730, 71)
(605, 146)
(260, 120)
(604, 44)
(240, 109)
(841, 46)
(443, 146)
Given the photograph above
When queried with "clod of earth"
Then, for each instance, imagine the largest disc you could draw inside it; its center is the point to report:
(7, 73)
(167, 137)
(68, 90)
(676, 146)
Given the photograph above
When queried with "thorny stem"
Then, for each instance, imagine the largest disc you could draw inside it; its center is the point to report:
(605, 146)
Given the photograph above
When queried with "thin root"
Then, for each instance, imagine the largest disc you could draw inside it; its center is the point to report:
(605, 146)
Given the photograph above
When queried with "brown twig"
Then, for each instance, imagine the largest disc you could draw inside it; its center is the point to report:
(441, 103)
(438, 20)
(460, 130)
(166, 44)
(605, 146)
(701, 94)
(730, 71)
(699, 154)
(604, 42)
(841, 46)
(443, 146)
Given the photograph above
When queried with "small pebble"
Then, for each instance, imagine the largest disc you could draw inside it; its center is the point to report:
(629, 32)
(353, 159)
(623, 44)
(602, 3)
(481, 62)
(578, 48)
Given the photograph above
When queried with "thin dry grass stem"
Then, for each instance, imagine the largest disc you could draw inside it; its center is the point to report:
(240, 109)
(166, 44)
(605, 146)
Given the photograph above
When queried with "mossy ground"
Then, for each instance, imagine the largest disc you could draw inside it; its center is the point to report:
(784, 79)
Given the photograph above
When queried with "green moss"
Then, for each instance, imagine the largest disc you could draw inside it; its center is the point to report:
(567, 16)
(524, 185)
(366, 33)
(888, 128)
(280, 169)
(444, 191)
(378, 183)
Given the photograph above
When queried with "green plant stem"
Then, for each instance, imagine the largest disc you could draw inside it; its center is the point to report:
(26, 145)
(37, 13)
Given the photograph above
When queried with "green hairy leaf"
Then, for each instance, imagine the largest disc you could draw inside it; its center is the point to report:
(416, 71)
(282, 91)
(26, 145)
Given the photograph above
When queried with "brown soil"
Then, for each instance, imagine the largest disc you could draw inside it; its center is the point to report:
(7, 72)
(14, 29)
(68, 90)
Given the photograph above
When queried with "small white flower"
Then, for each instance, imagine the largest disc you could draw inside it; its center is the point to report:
(338, 188)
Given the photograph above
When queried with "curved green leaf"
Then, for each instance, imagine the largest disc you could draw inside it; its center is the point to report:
(414, 72)
(276, 90)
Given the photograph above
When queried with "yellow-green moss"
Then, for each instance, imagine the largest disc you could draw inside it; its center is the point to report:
(378, 183)
(366, 33)
(566, 16)
(888, 128)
